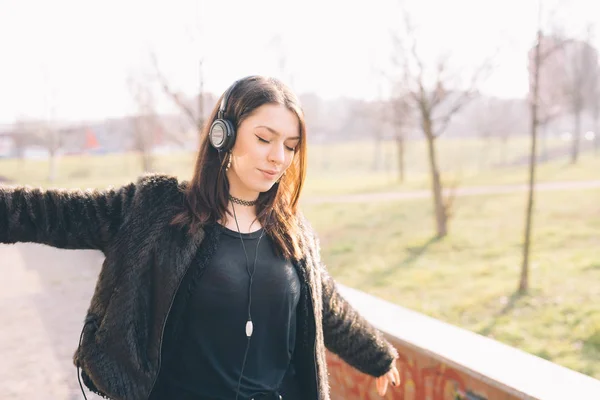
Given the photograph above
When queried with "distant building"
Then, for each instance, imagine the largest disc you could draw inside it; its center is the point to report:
(33, 138)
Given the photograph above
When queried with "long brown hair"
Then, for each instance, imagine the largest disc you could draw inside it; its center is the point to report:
(206, 196)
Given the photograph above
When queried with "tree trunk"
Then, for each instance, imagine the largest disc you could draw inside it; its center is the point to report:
(524, 280)
(143, 142)
(544, 157)
(576, 138)
(400, 147)
(53, 166)
(504, 150)
(145, 151)
(54, 144)
(146, 161)
(441, 216)
(596, 135)
(484, 153)
(378, 154)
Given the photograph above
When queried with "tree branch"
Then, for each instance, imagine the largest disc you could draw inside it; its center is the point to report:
(438, 93)
(553, 49)
(175, 97)
(465, 97)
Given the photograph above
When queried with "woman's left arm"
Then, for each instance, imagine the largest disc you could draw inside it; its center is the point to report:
(350, 336)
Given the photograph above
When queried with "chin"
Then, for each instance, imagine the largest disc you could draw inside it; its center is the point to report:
(260, 187)
(265, 188)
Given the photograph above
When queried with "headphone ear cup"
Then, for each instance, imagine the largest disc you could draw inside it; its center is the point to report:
(230, 136)
(222, 135)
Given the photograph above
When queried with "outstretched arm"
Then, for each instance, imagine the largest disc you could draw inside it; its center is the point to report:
(69, 219)
(350, 336)
(347, 333)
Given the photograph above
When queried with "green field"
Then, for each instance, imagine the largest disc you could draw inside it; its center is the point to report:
(387, 249)
(470, 277)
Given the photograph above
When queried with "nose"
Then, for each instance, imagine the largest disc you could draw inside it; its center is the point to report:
(277, 154)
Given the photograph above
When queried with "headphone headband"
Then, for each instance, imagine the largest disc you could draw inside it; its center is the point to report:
(225, 99)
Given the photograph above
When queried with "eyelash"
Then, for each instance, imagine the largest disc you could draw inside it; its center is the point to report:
(266, 141)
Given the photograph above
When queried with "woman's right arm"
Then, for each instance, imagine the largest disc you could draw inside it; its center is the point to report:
(63, 218)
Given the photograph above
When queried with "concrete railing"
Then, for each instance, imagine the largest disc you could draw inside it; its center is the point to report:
(439, 361)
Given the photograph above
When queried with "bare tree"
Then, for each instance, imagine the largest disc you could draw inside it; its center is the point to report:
(495, 119)
(42, 133)
(595, 107)
(581, 65)
(146, 125)
(534, 104)
(280, 49)
(193, 109)
(373, 115)
(194, 112)
(54, 142)
(378, 123)
(485, 119)
(436, 101)
(22, 136)
(596, 118)
(378, 114)
(47, 129)
(541, 79)
(402, 121)
(396, 112)
(552, 100)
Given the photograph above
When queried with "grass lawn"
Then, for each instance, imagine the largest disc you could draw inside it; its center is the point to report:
(469, 278)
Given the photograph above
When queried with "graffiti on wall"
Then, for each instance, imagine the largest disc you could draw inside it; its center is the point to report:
(437, 382)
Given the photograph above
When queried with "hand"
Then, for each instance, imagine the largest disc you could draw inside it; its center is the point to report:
(392, 377)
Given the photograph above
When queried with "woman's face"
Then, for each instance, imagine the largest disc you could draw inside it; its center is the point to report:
(263, 150)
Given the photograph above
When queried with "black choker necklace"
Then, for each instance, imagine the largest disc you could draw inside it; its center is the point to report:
(242, 202)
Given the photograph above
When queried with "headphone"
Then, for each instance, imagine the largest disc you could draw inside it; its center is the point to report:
(222, 131)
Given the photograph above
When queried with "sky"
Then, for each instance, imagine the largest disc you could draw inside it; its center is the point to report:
(71, 60)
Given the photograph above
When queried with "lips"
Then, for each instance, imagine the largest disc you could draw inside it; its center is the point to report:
(269, 173)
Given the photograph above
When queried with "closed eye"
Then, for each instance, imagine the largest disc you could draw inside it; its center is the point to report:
(261, 139)
(266, 141)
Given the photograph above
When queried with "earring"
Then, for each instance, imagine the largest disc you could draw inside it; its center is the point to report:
(228, 162)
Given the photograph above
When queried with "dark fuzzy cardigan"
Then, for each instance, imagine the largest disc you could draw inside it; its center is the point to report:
(127, 329)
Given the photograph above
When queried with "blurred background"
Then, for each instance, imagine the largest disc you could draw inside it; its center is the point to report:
(454, 149)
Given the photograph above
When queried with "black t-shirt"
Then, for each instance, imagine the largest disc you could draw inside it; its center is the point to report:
(213, 342)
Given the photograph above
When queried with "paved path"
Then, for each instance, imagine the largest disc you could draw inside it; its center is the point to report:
(44, 293)
(464, 191)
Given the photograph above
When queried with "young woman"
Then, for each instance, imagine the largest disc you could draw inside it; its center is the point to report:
(212, 288)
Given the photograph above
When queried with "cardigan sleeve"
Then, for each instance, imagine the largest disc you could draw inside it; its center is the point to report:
(345, 332)
(350, 336)
(69, 219)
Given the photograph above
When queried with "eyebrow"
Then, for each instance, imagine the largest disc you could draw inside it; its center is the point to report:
(273, 131)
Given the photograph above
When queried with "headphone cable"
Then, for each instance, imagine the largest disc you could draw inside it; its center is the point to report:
(249, 325)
